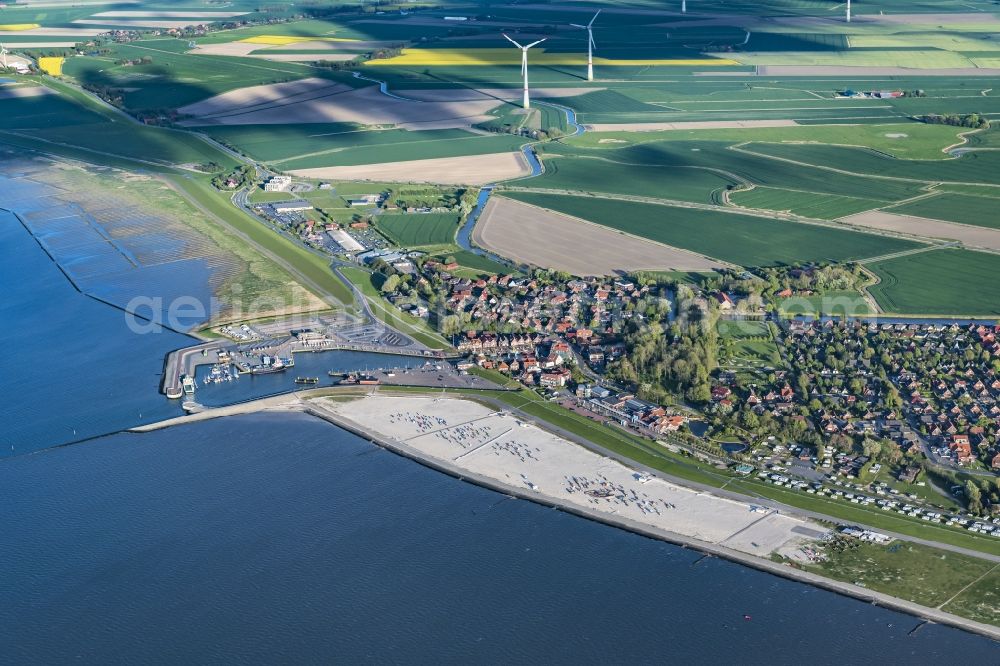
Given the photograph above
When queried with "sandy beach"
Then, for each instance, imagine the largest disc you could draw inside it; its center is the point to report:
(513, 452)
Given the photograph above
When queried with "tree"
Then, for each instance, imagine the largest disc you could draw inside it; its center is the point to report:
(974, 497)
(391, 284)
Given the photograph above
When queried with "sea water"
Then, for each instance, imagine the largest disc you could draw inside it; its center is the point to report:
(280, 538)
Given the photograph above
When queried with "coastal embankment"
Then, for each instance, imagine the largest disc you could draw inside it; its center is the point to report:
(501, 451)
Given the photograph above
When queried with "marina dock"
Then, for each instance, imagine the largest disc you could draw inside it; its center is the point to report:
(184, 362)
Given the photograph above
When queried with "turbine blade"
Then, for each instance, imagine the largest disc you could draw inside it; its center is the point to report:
(577, 25)
(593, 44)
(533, 43)
(512, 41)
(594, 19)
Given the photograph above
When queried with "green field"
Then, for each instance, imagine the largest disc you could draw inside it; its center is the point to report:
(596, 174)
(917, 573)
(733, 237)
(747, 344)
(945, 282)
(910, 140)
(981, 602)
(175, 78)
(477, 264)
(849, 303)
(807, 204)
(980, 211)
(973, 167)
(641, 170)
(307, 146)
(414, 230)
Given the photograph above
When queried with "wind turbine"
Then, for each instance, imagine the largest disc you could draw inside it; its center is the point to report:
(590, 44)
(524, 66)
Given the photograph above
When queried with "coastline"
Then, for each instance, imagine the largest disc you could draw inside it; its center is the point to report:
(298, 403)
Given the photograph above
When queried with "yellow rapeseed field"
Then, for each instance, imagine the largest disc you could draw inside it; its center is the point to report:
(284, 40)
(52, 66)
(18, 27)
(484, 57)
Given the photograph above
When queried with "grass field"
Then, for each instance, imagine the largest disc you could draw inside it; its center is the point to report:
(945, 282)
(679, 183)
(834, 303)
(979, 211)
(478, 264)
(973, 167)
(747, 344)
(921, 141)
(732, 237)
(414, 230)
(917, 573)
(808, 204)
(174, 78)
(981, 601)
(623, 172)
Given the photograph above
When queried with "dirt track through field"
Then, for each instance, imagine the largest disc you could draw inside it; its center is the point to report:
(689, 125)
(531, 235)
(971, 236)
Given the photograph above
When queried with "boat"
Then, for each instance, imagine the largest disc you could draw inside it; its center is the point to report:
(269, 365)
(187, 385)
(307, 380)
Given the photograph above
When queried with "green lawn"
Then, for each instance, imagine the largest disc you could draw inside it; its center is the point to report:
(941, 282)
(417, 229)
(732, 237)
(850, 303)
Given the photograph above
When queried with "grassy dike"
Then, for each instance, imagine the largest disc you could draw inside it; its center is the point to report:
(313, 269)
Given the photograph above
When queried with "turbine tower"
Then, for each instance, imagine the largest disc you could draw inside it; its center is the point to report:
(524, 66)
(590, 44)
(3, 54)
(684, 6)
(848, 11)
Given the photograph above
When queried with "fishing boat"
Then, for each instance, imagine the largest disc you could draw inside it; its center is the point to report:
(187, 384)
